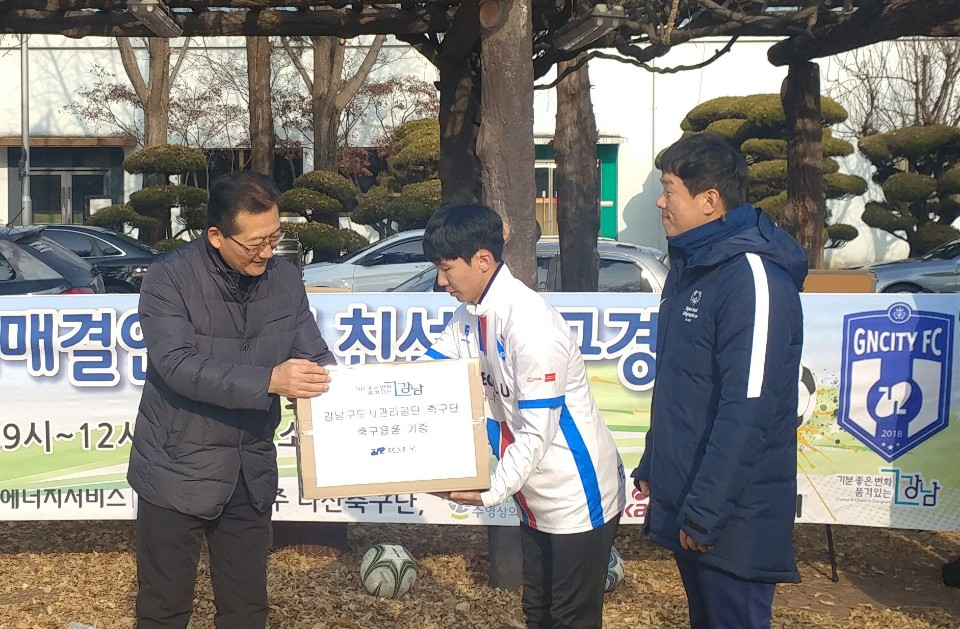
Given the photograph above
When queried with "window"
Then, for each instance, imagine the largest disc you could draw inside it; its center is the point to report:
(546, 199)
(946, 251)
(6, 270)
(74, 241)
(423, 282)
(106, 249)
(18, 264)
(543, 274)
(620, 276)
(58, 257)
(406, 252)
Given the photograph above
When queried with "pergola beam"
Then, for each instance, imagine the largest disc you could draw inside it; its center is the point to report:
(871, 23)
(201, 5)
(321, 21)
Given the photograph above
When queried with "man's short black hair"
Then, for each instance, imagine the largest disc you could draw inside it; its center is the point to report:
(460, 231)
(706, 161)
(239, 191)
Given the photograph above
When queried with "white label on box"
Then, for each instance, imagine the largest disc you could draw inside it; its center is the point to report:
(397, 423)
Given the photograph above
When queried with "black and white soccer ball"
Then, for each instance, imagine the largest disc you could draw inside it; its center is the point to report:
(807, 395)
(388, 570)
(615, 571)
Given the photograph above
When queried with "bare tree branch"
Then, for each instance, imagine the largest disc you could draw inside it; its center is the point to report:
(898, 84)
(179, 62)
(596, 54)
(129, 60)
(298, 64)
(350, 88)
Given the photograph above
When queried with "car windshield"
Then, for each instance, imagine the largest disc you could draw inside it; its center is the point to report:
(355, 252)
(423, 281)
(946, 251)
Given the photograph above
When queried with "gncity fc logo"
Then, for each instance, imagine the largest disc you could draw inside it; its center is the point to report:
(895, 377)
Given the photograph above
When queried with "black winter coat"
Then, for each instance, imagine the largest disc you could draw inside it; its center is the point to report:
(212, 342)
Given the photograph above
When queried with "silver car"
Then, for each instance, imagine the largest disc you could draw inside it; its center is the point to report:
(624, 268)
(376, 267)
(937, 271)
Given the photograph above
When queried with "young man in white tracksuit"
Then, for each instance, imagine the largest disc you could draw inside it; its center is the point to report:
(557, 458)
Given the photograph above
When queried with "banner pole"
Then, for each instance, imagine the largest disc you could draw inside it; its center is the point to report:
(833, 555)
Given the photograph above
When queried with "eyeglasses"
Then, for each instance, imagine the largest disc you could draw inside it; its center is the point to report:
(253, 250)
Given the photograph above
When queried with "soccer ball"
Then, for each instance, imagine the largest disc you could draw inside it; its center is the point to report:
(388, 570)
(807, 398)
(614, 571)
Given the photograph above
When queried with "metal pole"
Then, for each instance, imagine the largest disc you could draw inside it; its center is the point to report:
(26, 204)
(833, 555)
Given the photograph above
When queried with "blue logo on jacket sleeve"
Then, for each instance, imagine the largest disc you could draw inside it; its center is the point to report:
(895, 377)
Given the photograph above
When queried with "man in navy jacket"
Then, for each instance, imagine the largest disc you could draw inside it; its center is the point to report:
(720, 459)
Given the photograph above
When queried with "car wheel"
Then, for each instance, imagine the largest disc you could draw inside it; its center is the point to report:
(903, 287)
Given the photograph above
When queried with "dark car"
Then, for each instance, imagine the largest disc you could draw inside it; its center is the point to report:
(121, 259)
(32, 264)
(624, 268)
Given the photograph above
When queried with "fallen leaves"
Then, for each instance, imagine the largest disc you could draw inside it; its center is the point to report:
(57, 572)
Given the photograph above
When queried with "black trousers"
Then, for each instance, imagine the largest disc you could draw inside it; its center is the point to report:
(168, 550)
(564, 576)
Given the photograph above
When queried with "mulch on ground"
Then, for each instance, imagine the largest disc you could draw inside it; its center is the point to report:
(57, 572)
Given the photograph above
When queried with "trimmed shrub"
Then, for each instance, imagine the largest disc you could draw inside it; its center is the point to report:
(310, 204)
(166, 159)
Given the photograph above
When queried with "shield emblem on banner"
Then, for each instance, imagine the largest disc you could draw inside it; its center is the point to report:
(895, 377)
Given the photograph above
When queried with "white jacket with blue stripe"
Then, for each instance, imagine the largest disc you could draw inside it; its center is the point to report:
(557, 457)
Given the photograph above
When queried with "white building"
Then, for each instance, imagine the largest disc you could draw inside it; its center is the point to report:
(75, 166)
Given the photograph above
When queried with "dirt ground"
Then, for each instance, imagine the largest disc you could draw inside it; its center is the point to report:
(53, 573)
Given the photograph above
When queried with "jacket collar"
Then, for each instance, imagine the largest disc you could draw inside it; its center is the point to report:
(745, 230)
(501, 276)
(697, 242)
(217, 265)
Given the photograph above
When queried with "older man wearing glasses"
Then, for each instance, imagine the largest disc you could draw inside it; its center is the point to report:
(228, 332)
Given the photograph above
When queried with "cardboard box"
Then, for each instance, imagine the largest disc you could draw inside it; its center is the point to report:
(840, 281)
(394, 428)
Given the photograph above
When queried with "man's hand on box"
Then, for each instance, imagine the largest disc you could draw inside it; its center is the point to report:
(299, 378)
(471, 498)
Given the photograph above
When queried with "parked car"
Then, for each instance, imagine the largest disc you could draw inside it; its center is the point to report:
(937, 271)
(32, 264)
(376, 267)
(624, 268)
(121, 259)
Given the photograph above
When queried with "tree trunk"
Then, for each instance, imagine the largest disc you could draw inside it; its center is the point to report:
(156, 116)
(505, 141)
(459, 167)
(578, 191)
(262, 138)
(156, 109)
(458, 64)
(806, 212)
(325, 145)
(327, 70)
(505, 150)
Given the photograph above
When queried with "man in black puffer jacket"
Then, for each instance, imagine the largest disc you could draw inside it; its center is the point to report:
(228, 331)
(720, 462)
